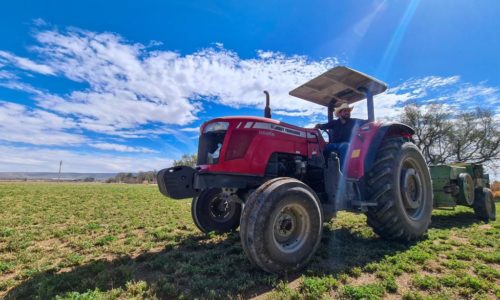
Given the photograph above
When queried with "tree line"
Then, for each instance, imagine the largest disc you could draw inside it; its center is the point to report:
(150, 176)
(141, 177)
(446, 136)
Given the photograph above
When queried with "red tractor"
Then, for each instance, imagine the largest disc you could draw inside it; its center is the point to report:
(274, 181)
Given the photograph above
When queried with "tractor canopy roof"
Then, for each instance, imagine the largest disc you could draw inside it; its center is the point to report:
(339, 83)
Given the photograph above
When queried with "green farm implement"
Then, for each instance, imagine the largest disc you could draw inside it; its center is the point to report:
(463, 184)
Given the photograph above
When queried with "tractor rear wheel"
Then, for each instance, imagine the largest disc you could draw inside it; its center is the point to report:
(400, 183)
(281, 225)
(211, 212)
(484, 205)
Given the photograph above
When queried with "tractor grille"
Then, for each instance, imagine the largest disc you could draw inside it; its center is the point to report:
(238, 144)
(209, 147)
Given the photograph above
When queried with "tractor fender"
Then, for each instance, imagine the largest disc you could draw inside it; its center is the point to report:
(387, 129)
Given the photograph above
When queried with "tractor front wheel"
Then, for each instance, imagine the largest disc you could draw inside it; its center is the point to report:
(281, 225)
(484, 205)
(400, 183)
(211, 212)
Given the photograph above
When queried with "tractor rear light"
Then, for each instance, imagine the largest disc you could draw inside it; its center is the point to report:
(216, 126)
(238, 144)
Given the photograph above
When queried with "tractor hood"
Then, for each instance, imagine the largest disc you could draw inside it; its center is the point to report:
(339, 83)
(246, 143)
(251, 122)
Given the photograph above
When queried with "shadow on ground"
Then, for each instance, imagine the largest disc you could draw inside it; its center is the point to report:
(448, 219)
(198, 266)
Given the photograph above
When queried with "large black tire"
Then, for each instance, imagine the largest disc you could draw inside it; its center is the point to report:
(400, 183)
(211, 212)
(484, 205)
(281, 225)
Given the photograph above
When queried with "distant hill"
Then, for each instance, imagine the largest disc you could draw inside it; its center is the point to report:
(54, 176)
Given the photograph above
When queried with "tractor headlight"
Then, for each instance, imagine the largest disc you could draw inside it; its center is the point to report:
(216, 126)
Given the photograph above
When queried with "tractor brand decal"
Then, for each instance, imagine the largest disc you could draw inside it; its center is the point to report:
(265, 132)
(285, 130)
(355, 153)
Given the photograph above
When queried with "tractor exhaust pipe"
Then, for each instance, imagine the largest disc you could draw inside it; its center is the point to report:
(267, 109)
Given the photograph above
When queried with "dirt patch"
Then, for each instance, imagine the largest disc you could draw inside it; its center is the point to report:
(365, 278)
(495, 266)
(49, 244)
(404, 284)
(433, 266)
(459, 239)
(65, 270)
(294, 285)
(140, 233)
(5, 277)
(391, 297)
(485, 227)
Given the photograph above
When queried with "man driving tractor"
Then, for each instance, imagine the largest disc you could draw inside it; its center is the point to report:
(342, 129)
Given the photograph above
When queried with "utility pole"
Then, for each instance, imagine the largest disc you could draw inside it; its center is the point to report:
(60, 167)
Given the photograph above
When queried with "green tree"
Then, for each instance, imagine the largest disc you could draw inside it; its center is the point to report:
(433, 128)
(446, 137)
(187, 160)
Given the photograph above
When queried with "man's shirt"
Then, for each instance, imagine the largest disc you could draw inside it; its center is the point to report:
(342, 132)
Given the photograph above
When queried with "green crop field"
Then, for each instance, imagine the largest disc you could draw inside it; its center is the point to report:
(108, 241)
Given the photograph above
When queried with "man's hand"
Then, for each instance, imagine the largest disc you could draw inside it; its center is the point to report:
(317, 126)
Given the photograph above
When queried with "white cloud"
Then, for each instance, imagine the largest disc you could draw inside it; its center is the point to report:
(191, 129)
(26, 64)
(121, 148)
(141, 86)
(15, 84)
(428, 82)
(448, 91)
(114, 110)
(131, 86)
(6, 75)
(468, 93)
(387, 106)
(299, 113)
(19, 123)
(24, 159)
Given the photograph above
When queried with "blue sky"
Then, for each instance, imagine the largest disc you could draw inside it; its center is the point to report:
(109, 86)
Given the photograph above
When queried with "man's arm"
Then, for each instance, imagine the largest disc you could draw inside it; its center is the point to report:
(325, 126)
